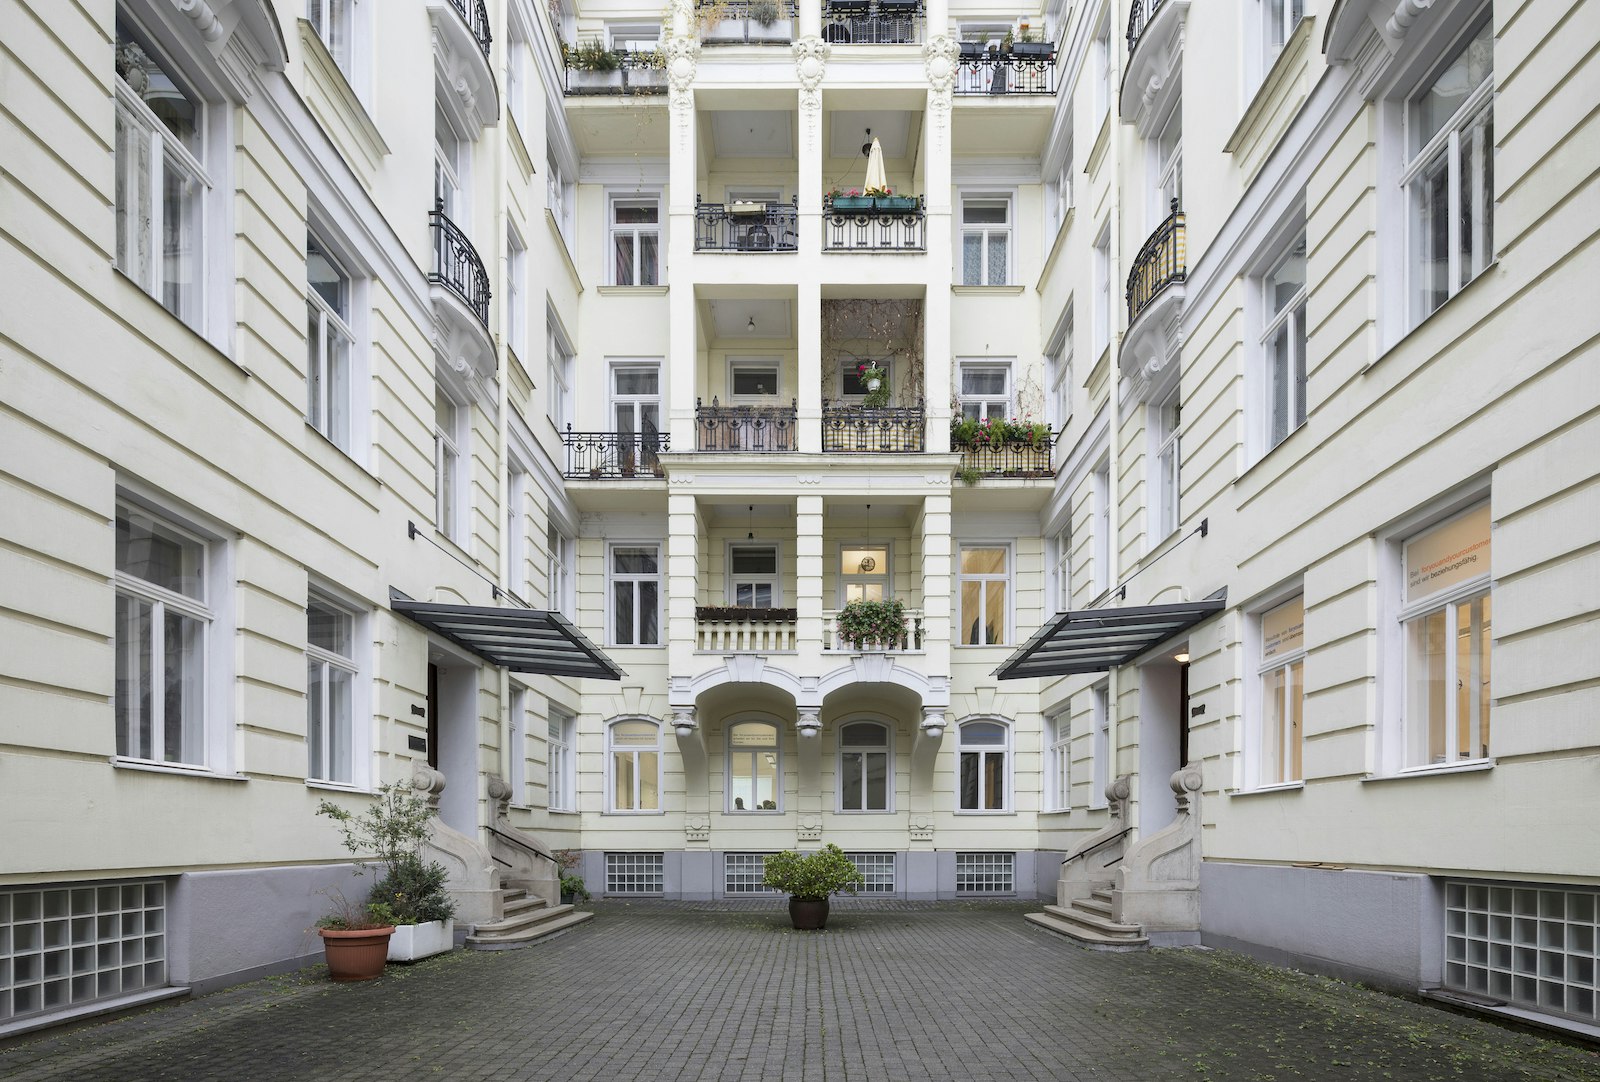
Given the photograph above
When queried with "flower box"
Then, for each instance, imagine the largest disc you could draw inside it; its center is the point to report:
(777, 30)
(897, 204)
(587, 79)
(413, 942)
(1036, 50)
(852, 202)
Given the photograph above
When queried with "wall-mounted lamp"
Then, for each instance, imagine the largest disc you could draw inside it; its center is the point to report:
(866, 148)
(808, 724)
(750, 327)
(1181, 659)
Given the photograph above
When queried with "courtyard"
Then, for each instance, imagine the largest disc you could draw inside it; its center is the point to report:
(660, 990)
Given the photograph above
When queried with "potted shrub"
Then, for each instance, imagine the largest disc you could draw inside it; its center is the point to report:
(573, 889)
(765, 23)
(871, 375)
(410, 891)
(592, 66)
(1028, 44)
(884, 199)
(355, 939)
(873, 624)
(809, 881)
(851, 200)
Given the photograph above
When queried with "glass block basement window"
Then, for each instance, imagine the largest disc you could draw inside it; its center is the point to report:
(878, 868)
(65, 946)
(742, 873)
(635, 873)
(1530, 947)
(985, 873)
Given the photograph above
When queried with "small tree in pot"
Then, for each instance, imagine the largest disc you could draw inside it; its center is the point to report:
(810, 880)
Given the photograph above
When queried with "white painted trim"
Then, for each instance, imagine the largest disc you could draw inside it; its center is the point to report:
(890, 783)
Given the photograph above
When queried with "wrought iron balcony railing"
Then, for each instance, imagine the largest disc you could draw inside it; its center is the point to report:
(1139, 17)
(456, 265)
(980, 71)
(873, 22)
(738, 22)
(849, 428)
(614, 455)
(1011, 459)
(745, 227)
(865, 224)
(634, 72)
(744, 429)
(476, 15)
(1158, 265)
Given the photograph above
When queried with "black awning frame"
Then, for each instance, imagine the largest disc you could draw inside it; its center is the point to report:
(1097, 640)
(520, 640)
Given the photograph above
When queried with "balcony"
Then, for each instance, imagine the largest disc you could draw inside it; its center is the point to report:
(873, 22)
(594, 69)
(456, 266)
(1012, 458)
(745, 429)
(1159, 264)
(1140, 16)
(744, 227)
(861, 223)
(476, 15)
(1153, 74)
(1028, 68)
(467, 90)
(910, 642)
(746, 22)
(882, 430)
(731, 629)
(609, 456)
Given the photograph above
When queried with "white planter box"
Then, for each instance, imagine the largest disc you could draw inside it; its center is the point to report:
(725, 32)
(412, 942)
(777, 30)
(584, 79)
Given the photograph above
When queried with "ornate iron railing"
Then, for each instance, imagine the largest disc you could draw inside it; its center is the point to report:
(873, 22)
(876, 227)
(873, 429)
(456, 265)
(982, 72)
(744, 429)
(1159, 263)
(476, 15)
(1139, 17)
(614, 455)
(745, 227)
(1019, 459)
(635, 73)
(735, 22)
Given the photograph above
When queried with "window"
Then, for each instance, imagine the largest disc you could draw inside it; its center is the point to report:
(633, 749)
(517, 529)
(1061, 570)
(562, 770)
(852, 388)
(332, 676)
(636, 410)
(635, 242)
(1283, 345)
(635, 873)
(1165, 418)
(1101, 749)
(1526, 944)
(865, 778)
(558, 571)
(1168, 149)
(1058, 192)
(1278, 21)
(516, 299)
(1281, 675)
(753, 379)
(878, 871)
(164, 623)
(985, 389)
(753, 576)
(517, 53)
(985, 764)
(330, 344)
(984, 581)
(985, 873)
(449, 163)
(1445, 633)
(558, 196)
(1100, 527)
(635, 595)
(71, 944)
(559, 361)
(755, 779)
(1058, 369)
(162, 184)
(517, 746)
(985, 241)
(449, 463)
(864, 573)
(743, 873)
(1057, 762)
(1102, 292)
(1103, 72)
(334, 22)
(1449, 174)
(634, 37)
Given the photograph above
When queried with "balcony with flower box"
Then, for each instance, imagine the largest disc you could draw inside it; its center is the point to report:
(1019, 450)
(752, 226)
(1019, 69)
(874, 221)
(873, 22)
(851, 630)
(593, 69)
(746, 22)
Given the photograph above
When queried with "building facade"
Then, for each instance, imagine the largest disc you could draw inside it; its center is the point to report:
(1285, 401)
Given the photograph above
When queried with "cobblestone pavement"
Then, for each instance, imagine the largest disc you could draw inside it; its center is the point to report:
(728, 991)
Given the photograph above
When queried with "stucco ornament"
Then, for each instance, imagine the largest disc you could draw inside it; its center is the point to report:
(427, 781)
(810, 65)
(498, 788)
(809, 828)
(683, 722)
(808, 723)
(682, 60)
(939, 58)
(697, 828)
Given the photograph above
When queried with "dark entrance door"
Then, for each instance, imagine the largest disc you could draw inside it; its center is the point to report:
(433, 716)
(1183, 715)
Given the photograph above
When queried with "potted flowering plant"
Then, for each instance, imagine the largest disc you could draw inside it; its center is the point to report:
(849, 199)
(873, 624)
(809, 881)
(871, 374)
(885, 200)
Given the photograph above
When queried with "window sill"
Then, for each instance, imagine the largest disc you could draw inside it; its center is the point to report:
(338, 787)
(633, 814)
(990, 290)
(631, 291)
(1473, 766)
(981, 811)
(1268, 790)
(741, 812)
(1056, 811)
(863, 811)
(1277, 75)
(144, 766)
(559, 811)
(1449, 302)
(566, 252)
(635, 645)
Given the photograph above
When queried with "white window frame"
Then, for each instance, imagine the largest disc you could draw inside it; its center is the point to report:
(1007, 578)
(983, 751)
(352, 58)
(987, 230)
(517, 487)
(1275, 23)
(1058, 359)
(452, 163)
(627, 36)
(357, 664)
(1167, 171)
(885, 577)
(559, 196)
(1059, 193)
(1256, 705)
(774, 581)
(515, 303)
(213, 611)
(1164, 465)
(1101, 543)
(1268, 394)
(1101, 751)
(1101, 319)
(1061, 569)
(560, 361)
(517, 746)
(560, 570)
(774, 749)
(886, 749)
(451, 473)
(1102, 74)
(774, 365)
(1058, 762)
(849, 365)
(518, 66)
(636, 750)
(637, 404)
(616, 201)
(324, 384)
(613, 578)
(985, 403)
(561, 774)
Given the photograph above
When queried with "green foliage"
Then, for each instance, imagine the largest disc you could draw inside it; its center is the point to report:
(764, 12)
(880, 622)
(966, 432)
(413, 892)
(969, 475)
(391, 833)
(592, 55)
(347, 916)
(574, 885)
(812, 877)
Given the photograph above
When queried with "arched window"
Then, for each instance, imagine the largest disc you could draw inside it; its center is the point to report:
(755, 774)
(633, 755)
(985, 766)
(866, 778)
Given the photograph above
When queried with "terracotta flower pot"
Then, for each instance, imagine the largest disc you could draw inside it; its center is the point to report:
(808, 914)
(355, 954)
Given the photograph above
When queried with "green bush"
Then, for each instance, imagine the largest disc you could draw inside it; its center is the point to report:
(414, 891)
(391, 832)
(880, 622)
(812, 878)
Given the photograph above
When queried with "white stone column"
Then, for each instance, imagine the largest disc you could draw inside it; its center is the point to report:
(808, 741)
(810, 19)
(808, 327)
(682, 49)
(808, 579)
(938, 582)
(683, 580)
(940, 61)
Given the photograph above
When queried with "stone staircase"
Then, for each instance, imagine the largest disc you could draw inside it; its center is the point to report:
(1088, 921)
(527, 919)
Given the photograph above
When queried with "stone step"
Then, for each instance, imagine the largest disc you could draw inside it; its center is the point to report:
(558, 920)
(524, 904)
(1094, 905)
(1102, 924)
(1101, 894)
(514, 922)
(512, 894)
(1085, 935)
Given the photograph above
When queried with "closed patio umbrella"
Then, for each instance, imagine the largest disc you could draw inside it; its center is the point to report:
(876, 177)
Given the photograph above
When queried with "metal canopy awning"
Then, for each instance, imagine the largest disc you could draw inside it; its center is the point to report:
(521, 640)
(1095, 640)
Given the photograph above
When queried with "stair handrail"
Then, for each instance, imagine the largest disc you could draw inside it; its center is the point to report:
(523, 845)
(1101, 844)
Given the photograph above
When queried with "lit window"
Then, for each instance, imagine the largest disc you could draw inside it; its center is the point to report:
(754, 772)
(985, 241)
(1057, 763)
(449, 463)
(561, 767)
(865, 778)
(753, 576)
(983, 583)
(635, 595)
(864, 573)
(985, 392)
(985, 765)
(1281, 675)
(1283, 345)
(636, 242)
(633, 749)
(330, 344)
(332, 672)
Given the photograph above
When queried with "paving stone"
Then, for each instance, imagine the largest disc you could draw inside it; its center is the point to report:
(727, 991)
